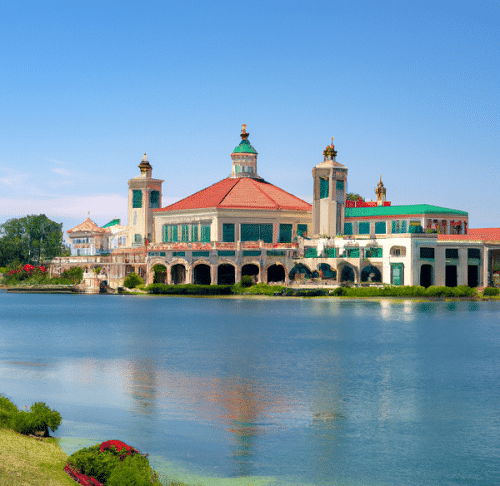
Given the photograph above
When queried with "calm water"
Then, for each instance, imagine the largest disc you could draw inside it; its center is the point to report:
(267, 392)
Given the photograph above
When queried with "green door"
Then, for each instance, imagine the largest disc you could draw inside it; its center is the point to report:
(397, 273)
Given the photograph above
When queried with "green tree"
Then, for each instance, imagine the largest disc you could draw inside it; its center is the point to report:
(31, 239)
(351, 196)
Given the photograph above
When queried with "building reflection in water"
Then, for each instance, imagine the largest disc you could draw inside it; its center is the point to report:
(141, 385)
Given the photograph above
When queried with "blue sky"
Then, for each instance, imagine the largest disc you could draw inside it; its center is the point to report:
(408, 89)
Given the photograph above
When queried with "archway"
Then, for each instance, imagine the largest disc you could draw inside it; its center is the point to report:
(226, 274)
(371, 274)
(252, 270)
(275, 273)
(202, 274)
(159, 273)
(472, 275)
(426, 275)
(178, 273)
(347, 274)
(327, 272)
(450, 279)
(299, 271)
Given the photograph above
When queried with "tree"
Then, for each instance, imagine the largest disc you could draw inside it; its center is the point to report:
(31, 239)
(351, 196)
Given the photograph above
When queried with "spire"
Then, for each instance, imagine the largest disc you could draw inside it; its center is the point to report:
(380, 191)
(330, 153)
(145, 167)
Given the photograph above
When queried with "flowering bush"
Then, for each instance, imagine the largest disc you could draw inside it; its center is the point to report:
(26, 272)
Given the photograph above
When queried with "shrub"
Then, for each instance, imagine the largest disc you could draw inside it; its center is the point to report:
(132, 280)
(246, 281)
(489, 291)
(189, 289)
(74, 274)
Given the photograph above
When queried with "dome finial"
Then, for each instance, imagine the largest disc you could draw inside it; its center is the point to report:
(244, 135)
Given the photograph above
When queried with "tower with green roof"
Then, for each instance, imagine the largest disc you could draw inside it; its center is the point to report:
(244, 158)
(330, 185)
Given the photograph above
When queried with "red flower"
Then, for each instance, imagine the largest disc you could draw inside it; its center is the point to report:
(42, 268)
(118, 444)
(11, 272)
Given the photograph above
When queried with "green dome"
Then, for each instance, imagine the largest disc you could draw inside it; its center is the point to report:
(244, 148)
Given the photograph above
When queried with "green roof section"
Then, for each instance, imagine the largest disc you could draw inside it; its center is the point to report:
(244, 148)
(400, 210)
(112, 223)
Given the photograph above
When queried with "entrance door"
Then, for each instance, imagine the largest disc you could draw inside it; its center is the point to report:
(451, 276)
(397, 273)
(426, 275)
(473, 276)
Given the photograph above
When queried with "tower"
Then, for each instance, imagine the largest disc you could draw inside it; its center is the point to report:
(380, 191)
(330, 184)
(244, 158)
(144, 195)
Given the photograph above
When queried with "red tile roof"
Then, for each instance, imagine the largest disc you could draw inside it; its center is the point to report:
(474, 234)
(87, 225)
(240, 193)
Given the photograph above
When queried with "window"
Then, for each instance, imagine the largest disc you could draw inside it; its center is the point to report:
(347, 228)
(136, 199)
(323, 188)
(364, 228)
(194, 232)
(427, 253)
(451, 253)
(154, 199)
(415, 227)
(228, 232)
(285, 233)
(340, 185)
(173, 233)
(255, 232)
(380, 228)
(473, 253)
(169, 232)
(395, 227)
(185, 232)
(205, 233)
(137, 238)
(302, 230)
(403, 226)
(373, 252)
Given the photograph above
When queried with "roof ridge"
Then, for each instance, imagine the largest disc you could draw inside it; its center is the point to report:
(265, 194)
(236, 180)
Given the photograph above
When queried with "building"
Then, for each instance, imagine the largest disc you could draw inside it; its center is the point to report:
(244, 225)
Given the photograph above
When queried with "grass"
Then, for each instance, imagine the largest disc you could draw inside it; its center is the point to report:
(28, 461)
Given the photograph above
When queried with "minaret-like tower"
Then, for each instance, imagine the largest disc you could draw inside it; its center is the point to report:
(144, 195)
(330, 185)
(244, 158)
(380, 192)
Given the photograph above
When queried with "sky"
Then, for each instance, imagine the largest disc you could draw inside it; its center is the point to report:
(408, 89)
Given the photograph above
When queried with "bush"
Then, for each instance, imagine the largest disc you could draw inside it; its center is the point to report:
(489, 291)
(189, 289)
(37, 420)
(246, 281)
(74, 274)
(132, 281)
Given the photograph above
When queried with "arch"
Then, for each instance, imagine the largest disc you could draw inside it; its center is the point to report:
(299, 271)
(398, 251)
(202, 274)
(159, 273)
(276, 273)
(252, 270)
(178, 274)
(426, 275)
(326, 271)
(371, 274)
(347, 274)
(226, 274)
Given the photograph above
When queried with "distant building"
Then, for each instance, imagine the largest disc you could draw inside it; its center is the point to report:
(244, 225)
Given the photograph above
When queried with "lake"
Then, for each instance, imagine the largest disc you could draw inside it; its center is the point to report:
(234, 391)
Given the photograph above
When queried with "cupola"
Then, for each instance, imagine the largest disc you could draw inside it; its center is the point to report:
(145, 167)
(244, 158)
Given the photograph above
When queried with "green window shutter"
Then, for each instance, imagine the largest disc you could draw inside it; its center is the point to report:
(285, 233)
(165, 233)
(205, 233)
(403, 227)
(136, 199)
(353, 253)
(137, 238)
(331, 252)
(154, 199)
(174, 233)
(201, 253)
(249, 232)
(228, 232)
(323, 188)
(226, 253)
(302, 230)
(194, 232)
(394, 228)
(380, 228)
(252, 253)
(340, 185)
(364, 228)
(347, 228)
(185, 232)
(266, 233)
(311, 252)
